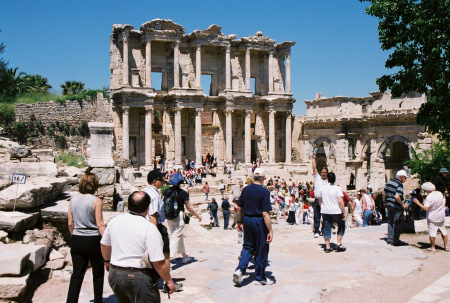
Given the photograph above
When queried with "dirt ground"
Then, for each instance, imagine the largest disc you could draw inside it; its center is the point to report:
(387, 289)
(378, 289)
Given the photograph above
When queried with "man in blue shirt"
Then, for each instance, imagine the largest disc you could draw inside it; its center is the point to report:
(393, 197)
(254, 220)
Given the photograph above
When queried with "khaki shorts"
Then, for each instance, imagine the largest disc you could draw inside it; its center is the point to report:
(434, 226)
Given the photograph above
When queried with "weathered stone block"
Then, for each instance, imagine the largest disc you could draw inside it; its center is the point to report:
(17, 221)
(55, 264)
(12, 259)
(55, 211)
(13, 288)
(105, 176)
(54, 255)
(29, 160)
(73, 171)
(37, 191)
(19, 152)
(35, 169)
(3, 235)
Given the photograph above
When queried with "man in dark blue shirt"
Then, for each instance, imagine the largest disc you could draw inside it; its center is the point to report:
(226, 212)
(254, 220)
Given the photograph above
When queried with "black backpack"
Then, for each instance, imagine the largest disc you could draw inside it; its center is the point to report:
(170, 198)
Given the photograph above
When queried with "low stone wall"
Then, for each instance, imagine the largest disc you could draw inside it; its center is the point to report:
(73, 112)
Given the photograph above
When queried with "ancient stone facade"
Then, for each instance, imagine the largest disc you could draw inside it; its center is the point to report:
(160, 108)
(368, 137)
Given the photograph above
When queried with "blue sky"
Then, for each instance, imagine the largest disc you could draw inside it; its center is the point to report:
(337, 51)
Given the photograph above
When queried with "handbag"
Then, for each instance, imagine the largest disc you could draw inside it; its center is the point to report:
(406, 225)
(186, 219)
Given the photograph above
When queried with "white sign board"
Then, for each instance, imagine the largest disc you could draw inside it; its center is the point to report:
(18, 178)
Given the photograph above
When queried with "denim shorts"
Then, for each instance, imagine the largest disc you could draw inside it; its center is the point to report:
(328, 220)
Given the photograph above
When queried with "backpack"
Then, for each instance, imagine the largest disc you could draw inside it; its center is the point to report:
(170, 198)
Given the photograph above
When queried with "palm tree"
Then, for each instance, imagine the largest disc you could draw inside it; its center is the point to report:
(72, 87)
(11, 82)
(36, 84)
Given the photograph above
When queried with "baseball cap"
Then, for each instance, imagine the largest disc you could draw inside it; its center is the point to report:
(402, 173)
(176, 179)
(428, 186)
(443, 170)
(154, 174)
(259, 171)
(213, 199)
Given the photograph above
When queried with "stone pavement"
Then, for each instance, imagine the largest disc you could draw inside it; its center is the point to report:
(304, 273)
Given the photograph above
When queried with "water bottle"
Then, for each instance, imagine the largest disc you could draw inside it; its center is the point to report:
(240, 236)
(175, 206)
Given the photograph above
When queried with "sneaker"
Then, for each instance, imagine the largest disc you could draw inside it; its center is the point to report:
(187, 260)
(316, 235)
(237, 277)
(178, 287)
(265, 282)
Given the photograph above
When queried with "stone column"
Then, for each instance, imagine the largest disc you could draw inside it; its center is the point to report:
(288, 73)
(176, 65)
(229, 134)
(198, 136)
(125, 133)
(248, 137)
(198, 67)
(125, 67)
(247, 69)
(288, 137)
(148, 135)
(178, 142)
(270, 71)
(148, 63)
(271, 136)
(228, 68)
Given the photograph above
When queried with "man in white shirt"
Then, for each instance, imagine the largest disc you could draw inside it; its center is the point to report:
(125, 241)
(332, 210)
(319, 181)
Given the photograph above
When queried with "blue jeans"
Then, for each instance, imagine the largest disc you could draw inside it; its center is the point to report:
(226, 218)
(255, 235)
(214, 216)
(206, 195)
(394, 215)
(368, 214)
(316, 207)
(328, 220)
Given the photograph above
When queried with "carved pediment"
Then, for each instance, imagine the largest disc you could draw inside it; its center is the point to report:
(121, 27)
(213, 32)
(165, 25)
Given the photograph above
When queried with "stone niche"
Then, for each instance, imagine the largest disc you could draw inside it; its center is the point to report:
(101, 155)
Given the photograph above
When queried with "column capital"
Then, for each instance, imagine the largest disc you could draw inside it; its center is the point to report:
(248, 112)
(125, 35)
(177, 111)
(228, 49)
(125, 110)
(198, 45)
(229, 111)
(198, 110)
(149, 108)
(272, 113)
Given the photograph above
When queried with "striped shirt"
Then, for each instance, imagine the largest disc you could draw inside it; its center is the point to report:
(392, 188)
(156, 203)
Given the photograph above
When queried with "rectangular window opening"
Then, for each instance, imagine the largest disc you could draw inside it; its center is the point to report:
(206, 84)
(157, 80)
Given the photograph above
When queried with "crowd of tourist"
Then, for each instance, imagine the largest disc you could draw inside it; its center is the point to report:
(145, 247)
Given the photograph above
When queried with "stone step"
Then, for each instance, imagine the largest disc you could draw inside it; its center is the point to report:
(13, 288)
(16, 257)
(16, 222)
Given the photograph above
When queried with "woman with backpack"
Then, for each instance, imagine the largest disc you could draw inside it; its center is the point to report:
(175, 222)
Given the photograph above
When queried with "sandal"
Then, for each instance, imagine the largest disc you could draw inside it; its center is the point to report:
(431, 250)
(340, 248)
(446, 249)
(328, 250)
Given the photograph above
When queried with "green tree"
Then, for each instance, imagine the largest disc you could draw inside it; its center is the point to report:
(36, 84)
(3, 64)
(418, 34)
(11, 81)
(427, 163)
(72, 87)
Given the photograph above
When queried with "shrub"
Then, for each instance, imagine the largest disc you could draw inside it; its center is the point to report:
(61, 142)
(71, 159)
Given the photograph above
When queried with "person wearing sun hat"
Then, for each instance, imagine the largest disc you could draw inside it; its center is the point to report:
(435, 207)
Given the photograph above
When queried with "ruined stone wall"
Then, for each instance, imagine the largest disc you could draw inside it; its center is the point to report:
(73, 112)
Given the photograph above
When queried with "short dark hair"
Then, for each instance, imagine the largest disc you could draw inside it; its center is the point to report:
(331, 177)
(324, 168)
(138, 201)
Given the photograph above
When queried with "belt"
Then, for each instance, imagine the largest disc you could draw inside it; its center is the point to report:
(145, 270)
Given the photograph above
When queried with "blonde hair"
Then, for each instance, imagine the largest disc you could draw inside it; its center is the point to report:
(88, 183)
(249, 180)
